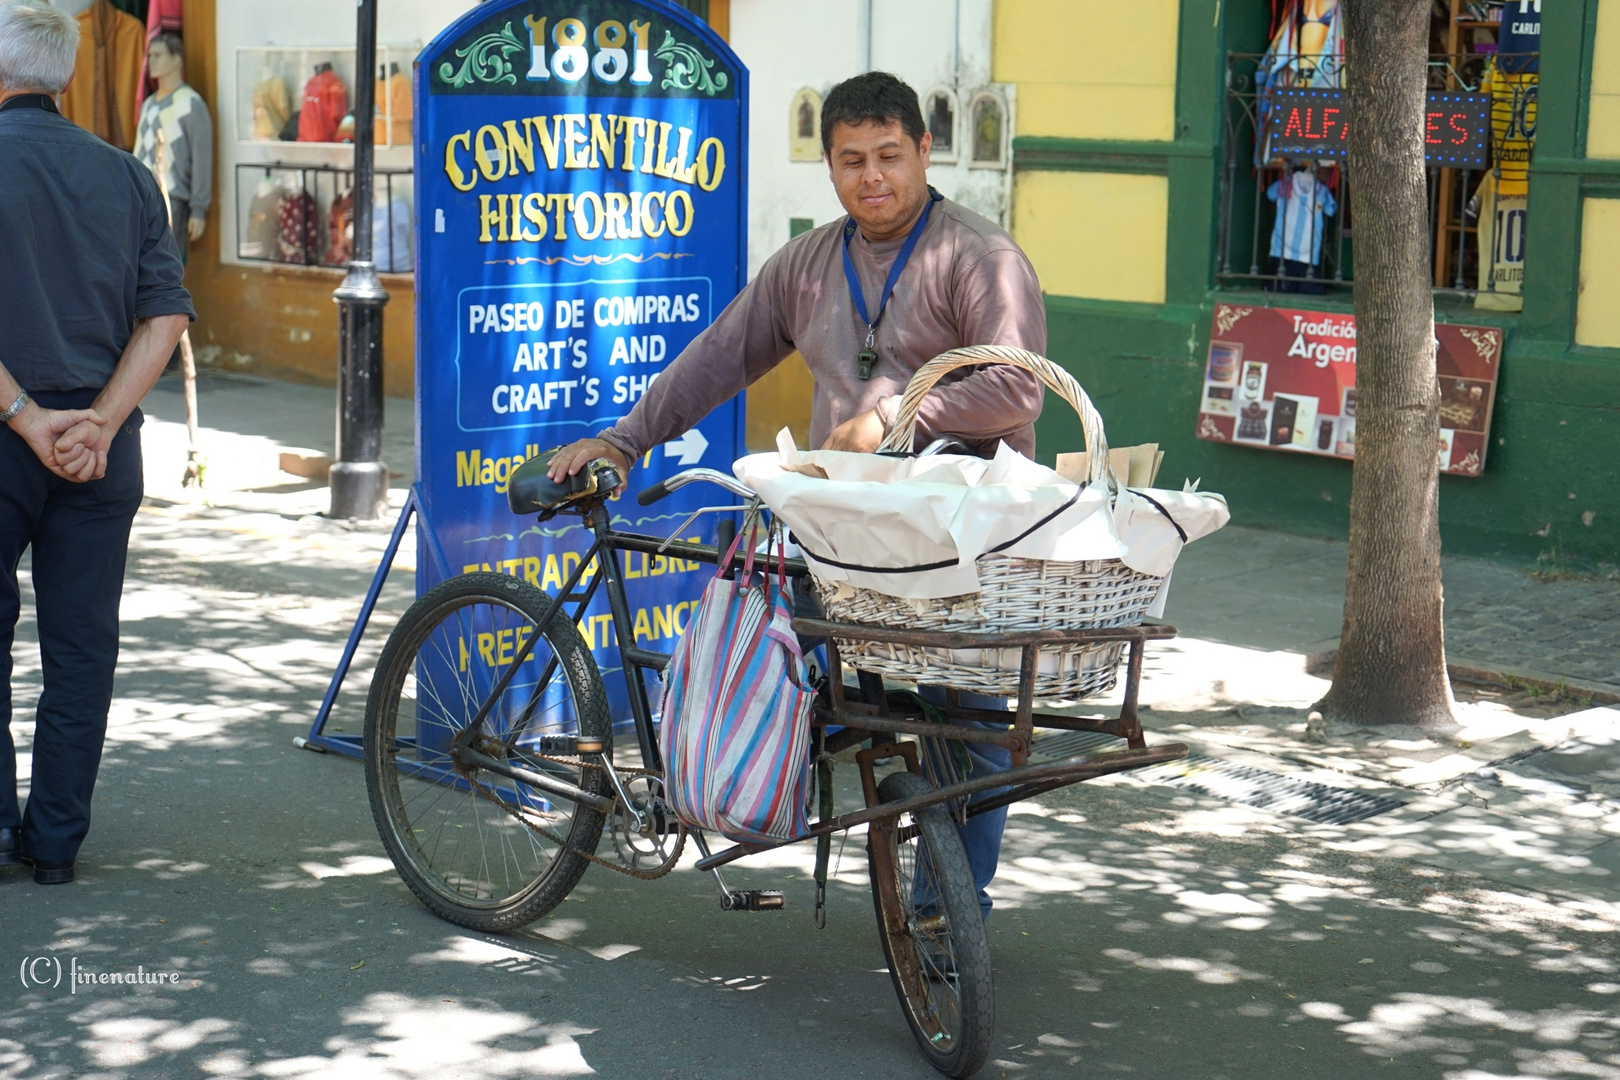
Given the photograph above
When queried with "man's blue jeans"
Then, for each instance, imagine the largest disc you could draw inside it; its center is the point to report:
(981, 836)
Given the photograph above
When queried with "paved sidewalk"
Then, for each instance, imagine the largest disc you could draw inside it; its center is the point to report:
(1139, 927)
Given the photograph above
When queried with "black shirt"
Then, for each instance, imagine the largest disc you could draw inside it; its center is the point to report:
(85, 250)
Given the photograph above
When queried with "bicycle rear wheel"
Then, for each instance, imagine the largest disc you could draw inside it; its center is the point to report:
(932, 930)
(480, 849)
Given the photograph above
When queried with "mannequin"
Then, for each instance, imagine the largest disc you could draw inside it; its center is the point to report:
(175, 139)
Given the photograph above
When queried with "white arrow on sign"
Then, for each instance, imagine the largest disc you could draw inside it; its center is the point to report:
(689, 447)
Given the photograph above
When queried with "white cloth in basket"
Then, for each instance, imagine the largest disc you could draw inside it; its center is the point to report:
(914, 526)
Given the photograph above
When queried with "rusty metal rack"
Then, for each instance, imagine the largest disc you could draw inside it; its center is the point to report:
(873, 716)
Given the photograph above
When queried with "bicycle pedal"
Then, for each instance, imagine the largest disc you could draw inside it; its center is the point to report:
(571, 745)
(753, 900)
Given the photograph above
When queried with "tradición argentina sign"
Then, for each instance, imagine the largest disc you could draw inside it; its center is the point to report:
(580, 220)
(1285, 379)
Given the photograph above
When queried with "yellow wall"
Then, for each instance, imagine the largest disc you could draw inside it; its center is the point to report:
(781, 399)
(1094, 235)
(1603, 123)
(1597, 316)
(1090, 69)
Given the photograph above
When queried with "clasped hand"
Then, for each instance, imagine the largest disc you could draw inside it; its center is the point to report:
(72, 443)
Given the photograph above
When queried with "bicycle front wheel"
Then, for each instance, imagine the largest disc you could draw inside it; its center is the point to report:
(932, 930)
(480, 849)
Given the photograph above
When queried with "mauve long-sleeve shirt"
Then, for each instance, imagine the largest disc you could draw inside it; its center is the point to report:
(967, 283)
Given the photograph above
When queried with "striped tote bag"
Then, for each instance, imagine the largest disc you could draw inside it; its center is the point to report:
(735, 730)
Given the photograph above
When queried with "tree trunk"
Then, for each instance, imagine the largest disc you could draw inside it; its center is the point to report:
(1391, 666)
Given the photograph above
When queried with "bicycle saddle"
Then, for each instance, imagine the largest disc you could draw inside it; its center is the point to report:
(531, 491)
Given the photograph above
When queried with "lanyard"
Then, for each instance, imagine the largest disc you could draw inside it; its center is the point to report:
(868, 355)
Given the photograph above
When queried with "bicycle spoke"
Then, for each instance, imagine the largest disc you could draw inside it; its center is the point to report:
(482, 849)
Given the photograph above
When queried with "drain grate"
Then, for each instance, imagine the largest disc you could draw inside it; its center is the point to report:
(1243, 784)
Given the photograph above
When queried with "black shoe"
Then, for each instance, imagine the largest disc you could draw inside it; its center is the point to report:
(11, 847)
(52, 873)
(48, 872)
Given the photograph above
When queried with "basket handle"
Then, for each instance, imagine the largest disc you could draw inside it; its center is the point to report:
(902, 435)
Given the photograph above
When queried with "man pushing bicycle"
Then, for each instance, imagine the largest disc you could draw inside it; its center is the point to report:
(867, 300)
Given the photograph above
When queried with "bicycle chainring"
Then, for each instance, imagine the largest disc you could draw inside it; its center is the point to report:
(653, 848)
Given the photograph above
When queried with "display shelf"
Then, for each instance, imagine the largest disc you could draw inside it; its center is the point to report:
(275, 85)
(290, 214)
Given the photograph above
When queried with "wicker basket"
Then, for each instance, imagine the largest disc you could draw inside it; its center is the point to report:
(1014, 593)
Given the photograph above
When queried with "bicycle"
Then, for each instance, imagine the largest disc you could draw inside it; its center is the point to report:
(490, 766)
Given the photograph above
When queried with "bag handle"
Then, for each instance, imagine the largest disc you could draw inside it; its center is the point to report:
(902, 435)
(731, 553)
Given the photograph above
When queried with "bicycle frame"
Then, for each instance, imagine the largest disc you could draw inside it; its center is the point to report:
(869, 717)
(603, 554)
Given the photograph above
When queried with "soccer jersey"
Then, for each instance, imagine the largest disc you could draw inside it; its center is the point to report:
(1302, 201)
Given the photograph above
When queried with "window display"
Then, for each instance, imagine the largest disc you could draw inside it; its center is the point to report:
(276, 87)
(304, 215)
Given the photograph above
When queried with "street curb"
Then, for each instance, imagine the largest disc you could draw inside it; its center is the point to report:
(1464, 669)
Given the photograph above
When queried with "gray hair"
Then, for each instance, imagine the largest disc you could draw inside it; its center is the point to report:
(38, 45)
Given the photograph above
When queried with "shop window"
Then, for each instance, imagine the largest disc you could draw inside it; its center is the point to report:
(939, 114)
(988, 114)
(304, 215)
(1287, 219)
(804, 126)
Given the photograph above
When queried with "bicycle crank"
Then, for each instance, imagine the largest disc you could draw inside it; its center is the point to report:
(647, 836)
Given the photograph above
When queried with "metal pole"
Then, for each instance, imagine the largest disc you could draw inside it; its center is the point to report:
(359, 478)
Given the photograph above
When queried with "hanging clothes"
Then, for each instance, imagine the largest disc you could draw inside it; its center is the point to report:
(1513, 126)
(340, 228)
(110, 63)
(1306, 50)
(1512, 82)
(1295, 57)
(263, 223)
(391, 235)
(272, 105)
(1302, 201)
(158, 15)
(396, 91)
(1501, 247)
(298, 238)
(325, 103)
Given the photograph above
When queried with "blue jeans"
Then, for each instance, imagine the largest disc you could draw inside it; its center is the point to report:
(981, 836)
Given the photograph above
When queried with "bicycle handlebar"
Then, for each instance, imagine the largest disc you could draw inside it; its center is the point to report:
(648, 496)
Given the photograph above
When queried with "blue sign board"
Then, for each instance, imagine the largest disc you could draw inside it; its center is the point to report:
(580, 219)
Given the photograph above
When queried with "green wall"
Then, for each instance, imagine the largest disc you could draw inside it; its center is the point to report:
(1555, 450)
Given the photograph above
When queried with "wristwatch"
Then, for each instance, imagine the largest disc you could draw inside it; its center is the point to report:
(16, 407)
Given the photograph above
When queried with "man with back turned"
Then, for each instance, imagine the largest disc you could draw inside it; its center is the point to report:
(92, 306)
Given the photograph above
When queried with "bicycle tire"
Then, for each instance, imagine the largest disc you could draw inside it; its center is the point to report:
(418, 795)
(939, 960)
